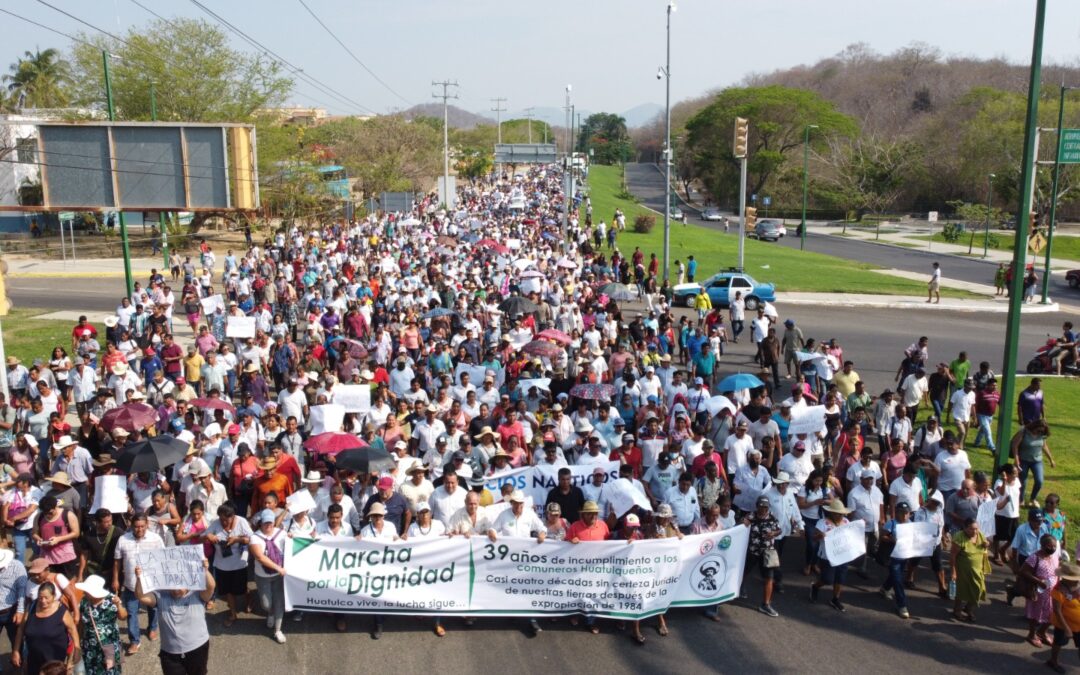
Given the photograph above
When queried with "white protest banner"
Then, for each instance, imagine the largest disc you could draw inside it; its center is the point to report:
(173, 568)
(110, 492)
(809, 421)
(209, 305)
(621, 495)
(514, 244)
(353, 397)
(300, 501)
(327, 417)
(541, 383)
(915, 540)
(845, 543)
(476, 374)
(514, 577)
(537, 481)
(985, 518)
(240, 327)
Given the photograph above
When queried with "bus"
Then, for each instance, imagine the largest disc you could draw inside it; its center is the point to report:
(336, 179)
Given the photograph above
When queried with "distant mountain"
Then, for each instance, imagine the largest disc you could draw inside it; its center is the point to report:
(641, 115)
(457, 118)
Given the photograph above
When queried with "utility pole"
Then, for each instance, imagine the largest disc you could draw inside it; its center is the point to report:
(667, 148)
(124, 246)
(498, 110)
(805, 183)
(568, 182)
(1020, 243)
(162, 218)
(448, 194)
(1054, 196)
(528, 116)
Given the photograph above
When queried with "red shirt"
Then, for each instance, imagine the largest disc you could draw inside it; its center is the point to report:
(986, 402)
(169, 352)
(633, 457)
(579, 530)
(698, 467)
(86, 329)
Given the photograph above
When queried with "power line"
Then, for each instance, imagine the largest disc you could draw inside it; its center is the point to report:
(350, 53)
(299, 72)
(48, 28)
(499, 110)
(177, 27)
(448, 194)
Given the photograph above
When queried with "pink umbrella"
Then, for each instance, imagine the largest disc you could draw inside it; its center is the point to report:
(130, 416)
(493, 245)
(548, 350)
(213, 404)
(333, 442)
(555, 335)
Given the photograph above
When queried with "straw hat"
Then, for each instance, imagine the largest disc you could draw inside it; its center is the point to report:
(484, 432)
(94, 586)
(119, 368)
(268, 463)
(836, 506)
(13, 361)
(60, 477)
(1069, 572)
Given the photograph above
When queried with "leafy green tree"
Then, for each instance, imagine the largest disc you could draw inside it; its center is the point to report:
(605, 135)
(385, 153)
(42, 77)
(198, 77)
(778, 117)
(867, 174)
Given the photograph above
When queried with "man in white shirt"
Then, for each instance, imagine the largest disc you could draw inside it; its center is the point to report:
(447, 499)
(427, 431)
(953, 467)
(682, 498)
(915, 388)
(868, 505)
(907, 488)
(798, 464)
(131, 543)
(750, 481)
(963, 410)
(470, 521)
(292, 402)
(517, 521)
(735, 447)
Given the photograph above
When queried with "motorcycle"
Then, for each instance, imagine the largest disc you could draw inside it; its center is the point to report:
(1043, 360)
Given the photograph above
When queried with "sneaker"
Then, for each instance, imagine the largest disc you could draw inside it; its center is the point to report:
(298, 616)
(535, 627)
(837, 605)
(883, 592)
(270, 621)
(813, 593)
(280, 637)
(904, 613)
(376, 633)
(768, 610)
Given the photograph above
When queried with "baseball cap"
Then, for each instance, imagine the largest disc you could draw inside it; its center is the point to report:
(632, 520)
(385, 483)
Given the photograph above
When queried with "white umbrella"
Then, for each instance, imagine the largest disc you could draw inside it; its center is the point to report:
(523, 263)
(566, 263)
(532, 274)
(717, 403)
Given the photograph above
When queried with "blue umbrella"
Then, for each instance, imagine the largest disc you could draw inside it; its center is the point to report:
(439, 312)
(740, 381)
(549, 236)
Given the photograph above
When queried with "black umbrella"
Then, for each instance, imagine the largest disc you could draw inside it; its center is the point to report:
(516, 304)
(365, 460)
(152, 454)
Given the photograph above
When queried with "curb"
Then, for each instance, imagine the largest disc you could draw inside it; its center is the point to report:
(886, 304)
(73, 275)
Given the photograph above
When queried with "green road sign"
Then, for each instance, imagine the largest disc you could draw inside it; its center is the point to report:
(1069, 150)
(66, 216)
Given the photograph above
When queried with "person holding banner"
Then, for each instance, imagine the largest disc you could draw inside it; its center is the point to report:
(268, 549)
(895, 580)
(835, 516)
(185, 640)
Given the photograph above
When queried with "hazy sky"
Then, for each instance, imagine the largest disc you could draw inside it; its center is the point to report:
(608, 49)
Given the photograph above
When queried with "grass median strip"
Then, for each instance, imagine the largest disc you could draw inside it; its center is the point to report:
(28, 338)
(789, 269)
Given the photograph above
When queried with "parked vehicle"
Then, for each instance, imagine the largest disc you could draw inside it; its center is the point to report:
(722, 288)
(766, 230)
(711, 213)
(1073, 277)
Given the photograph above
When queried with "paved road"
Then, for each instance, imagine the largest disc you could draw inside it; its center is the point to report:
(647, 183)
(806, 637)
(94, 295)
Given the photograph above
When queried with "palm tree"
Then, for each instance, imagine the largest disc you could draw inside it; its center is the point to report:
(42, 78)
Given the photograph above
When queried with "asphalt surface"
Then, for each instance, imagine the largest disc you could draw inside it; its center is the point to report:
(647, 183)
(806, 637)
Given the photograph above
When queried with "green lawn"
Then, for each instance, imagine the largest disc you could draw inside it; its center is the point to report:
(789, 269)
(30, 339)
(1062, 401)
(1065, 248)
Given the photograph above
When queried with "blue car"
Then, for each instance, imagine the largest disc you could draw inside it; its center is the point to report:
(722, 288)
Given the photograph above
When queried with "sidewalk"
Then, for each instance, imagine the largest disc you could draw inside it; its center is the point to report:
(910, 302)
(905, 238)
(31, 268)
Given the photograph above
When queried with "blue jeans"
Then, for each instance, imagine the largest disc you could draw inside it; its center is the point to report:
(984, 429)
(809, 525)
(939, 407)
(131, 604)
(1036, 468)
(896, 580)
(20, 539)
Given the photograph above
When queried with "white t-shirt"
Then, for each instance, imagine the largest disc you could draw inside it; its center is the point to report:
(736, 449)
(436, 529)
(952, 469)
(906, 493)
(278, 537)
(961, 405)
(238, 557)
(1012, 506)
(525, 525)
(867, 505)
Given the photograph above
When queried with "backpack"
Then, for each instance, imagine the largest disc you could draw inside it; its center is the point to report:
(276, 555)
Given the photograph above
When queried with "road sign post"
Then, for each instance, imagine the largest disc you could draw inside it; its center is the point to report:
(1068, 152)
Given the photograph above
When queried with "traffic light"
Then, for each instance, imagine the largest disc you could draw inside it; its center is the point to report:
(751, 218)
(742, 136)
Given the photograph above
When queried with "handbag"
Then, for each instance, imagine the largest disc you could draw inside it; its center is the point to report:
(770, 558)
(107, 650)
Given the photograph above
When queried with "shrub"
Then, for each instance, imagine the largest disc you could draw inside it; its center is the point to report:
(644, 224)
(952, 232)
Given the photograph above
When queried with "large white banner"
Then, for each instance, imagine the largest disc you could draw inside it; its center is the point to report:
(809, 421)
(353, 397)
(985, 517)
(537, 481)
(514, 577)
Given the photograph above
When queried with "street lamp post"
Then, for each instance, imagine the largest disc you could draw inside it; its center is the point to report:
(805, 182)
(989, 200)
(1054, 197)
(124, 246)
(667, 145)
